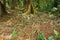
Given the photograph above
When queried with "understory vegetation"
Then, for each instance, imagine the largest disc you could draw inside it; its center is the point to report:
(29, 19)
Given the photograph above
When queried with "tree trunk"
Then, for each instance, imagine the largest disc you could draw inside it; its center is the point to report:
(14, 4)
(2, 9)
(29, 7)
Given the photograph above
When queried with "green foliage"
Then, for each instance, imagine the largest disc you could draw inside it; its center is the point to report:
(54, 9)
(7, 5)
(51, 38)
(40, 5)
(57, 35)
(56, 32)
(35, 3)
(44, 5)
(49, 5)
(14, 33)
(20, 3)
(41, 36)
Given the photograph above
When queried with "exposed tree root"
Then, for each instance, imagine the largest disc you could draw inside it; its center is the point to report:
(30, 8)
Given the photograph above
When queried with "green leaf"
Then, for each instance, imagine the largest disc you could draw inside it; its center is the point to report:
(18, 33)
(51, 38)
(56, 32)
(41, 37)
(14, 33)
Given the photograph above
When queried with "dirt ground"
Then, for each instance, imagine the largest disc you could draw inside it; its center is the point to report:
(28, 25)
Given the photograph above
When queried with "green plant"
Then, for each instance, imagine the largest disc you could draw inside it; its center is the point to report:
(51, 38)
(41, 36)
(42, 5)
(49, 4)
(57, 35)
(14, 33)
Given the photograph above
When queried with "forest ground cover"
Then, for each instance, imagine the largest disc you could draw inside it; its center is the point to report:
(29, 25)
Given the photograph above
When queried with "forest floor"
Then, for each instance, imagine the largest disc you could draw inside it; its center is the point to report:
(28, 25)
